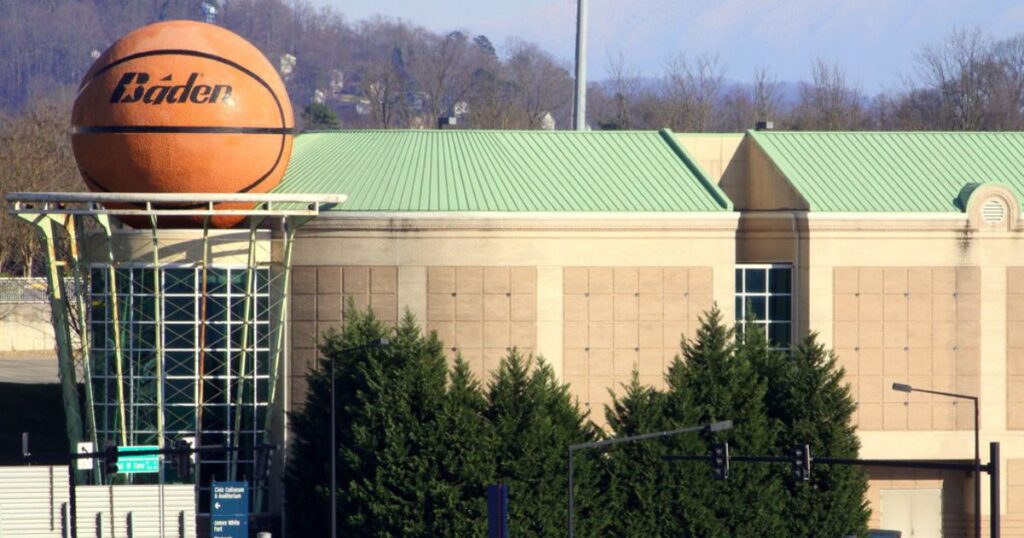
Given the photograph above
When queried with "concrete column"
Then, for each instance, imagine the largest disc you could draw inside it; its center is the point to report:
(412, 292)
(550, 316)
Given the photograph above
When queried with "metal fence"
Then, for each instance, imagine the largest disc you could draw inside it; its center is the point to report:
(20, 290)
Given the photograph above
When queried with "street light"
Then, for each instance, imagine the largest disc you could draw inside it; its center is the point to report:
(375, 343)
(713, 427)
(902, 387)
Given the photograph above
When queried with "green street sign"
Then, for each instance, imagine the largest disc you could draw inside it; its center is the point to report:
(129, 464)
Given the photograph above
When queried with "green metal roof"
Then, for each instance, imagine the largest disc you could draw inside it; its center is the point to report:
(894, 171)
(515, 171)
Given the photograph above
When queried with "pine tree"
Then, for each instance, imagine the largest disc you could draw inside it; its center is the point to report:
(810, 404)
(711, 382)
(390, 407)
(319, 117)
(639, 483)
(468, 456)
(535, 421)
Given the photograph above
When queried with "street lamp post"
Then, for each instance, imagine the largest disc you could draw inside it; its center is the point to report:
(713, 427)
(901, 387)
(377, 342)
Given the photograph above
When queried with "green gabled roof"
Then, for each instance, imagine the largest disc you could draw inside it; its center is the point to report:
(893, 171)
(515, 171)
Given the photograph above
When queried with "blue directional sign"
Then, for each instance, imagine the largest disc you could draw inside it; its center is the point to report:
(229, 510)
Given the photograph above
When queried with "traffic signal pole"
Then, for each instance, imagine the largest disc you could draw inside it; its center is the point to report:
(711, 428)
(806, 460)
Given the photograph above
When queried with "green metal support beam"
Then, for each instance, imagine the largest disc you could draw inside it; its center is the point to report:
(47, 224)
(104, 222)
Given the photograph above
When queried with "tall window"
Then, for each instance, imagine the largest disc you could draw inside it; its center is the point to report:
(765, 293)
(230, 412)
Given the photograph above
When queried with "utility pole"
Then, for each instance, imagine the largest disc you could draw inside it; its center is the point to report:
(579, 115)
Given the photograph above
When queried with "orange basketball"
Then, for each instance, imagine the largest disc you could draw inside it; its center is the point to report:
(182, 107)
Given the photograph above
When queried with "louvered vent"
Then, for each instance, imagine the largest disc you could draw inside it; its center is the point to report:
(994, 211)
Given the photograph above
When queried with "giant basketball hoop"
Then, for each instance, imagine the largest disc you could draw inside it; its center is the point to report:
(173, 332)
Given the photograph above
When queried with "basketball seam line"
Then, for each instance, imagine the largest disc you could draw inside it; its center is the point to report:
(172, 129)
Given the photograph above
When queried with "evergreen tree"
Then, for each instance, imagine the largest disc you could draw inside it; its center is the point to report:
(319, 117)
(535, 421)
(810, 404)
(639, 483)
(711, 382)
(468, 456)
(391, 404)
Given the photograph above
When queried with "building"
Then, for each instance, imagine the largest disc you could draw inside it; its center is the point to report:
(599, 250)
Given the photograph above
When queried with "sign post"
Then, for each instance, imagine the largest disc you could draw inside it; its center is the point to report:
(497, 511)
(229, 510)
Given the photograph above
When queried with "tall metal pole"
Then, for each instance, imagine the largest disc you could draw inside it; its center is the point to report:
(580, 99)
(571, 526)
(977, 473)
(993, 477)
(334, 457)
(903, 387)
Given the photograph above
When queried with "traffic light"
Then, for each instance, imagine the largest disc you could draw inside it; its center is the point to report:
(110, 459)
(801, 462)
(720, 460)
(183, 458)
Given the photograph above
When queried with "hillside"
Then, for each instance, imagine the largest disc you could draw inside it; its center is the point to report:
(377, 73)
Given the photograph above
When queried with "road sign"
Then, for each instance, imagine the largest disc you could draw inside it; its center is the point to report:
(84, 464)
(129, 464)
(229, 510)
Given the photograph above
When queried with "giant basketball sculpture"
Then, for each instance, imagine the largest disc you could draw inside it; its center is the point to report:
(182, 107)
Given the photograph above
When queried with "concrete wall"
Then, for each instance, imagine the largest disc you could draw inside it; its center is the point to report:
(595, 296)
(926, 300)
(26, 327)
(933, 300)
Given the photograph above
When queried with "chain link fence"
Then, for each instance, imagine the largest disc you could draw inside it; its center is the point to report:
(22, 290)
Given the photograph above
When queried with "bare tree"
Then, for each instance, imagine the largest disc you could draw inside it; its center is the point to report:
(692, 92)
(745, 104)
(828, 102)
(959, 69)
(35, 156)
(539, 85)
(766, 94)
(613, 102)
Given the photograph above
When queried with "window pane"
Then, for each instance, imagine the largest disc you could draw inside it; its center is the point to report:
(739, 280)
(179, 280)
(778, 334)
(179, 363)
(781, 280)
(238, 281)
(755, 280)
(216, 281)
(756, 307)
(179, 308)
(739, 308)
(779, 308)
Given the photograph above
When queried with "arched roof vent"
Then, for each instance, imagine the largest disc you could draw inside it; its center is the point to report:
(993, 211)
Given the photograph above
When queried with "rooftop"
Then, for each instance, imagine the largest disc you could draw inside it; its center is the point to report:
(894, 171)
(502, 171)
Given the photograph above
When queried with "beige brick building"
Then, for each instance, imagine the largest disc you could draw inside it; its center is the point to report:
(598, 251)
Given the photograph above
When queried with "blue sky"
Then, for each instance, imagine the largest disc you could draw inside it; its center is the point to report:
(875, 40)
